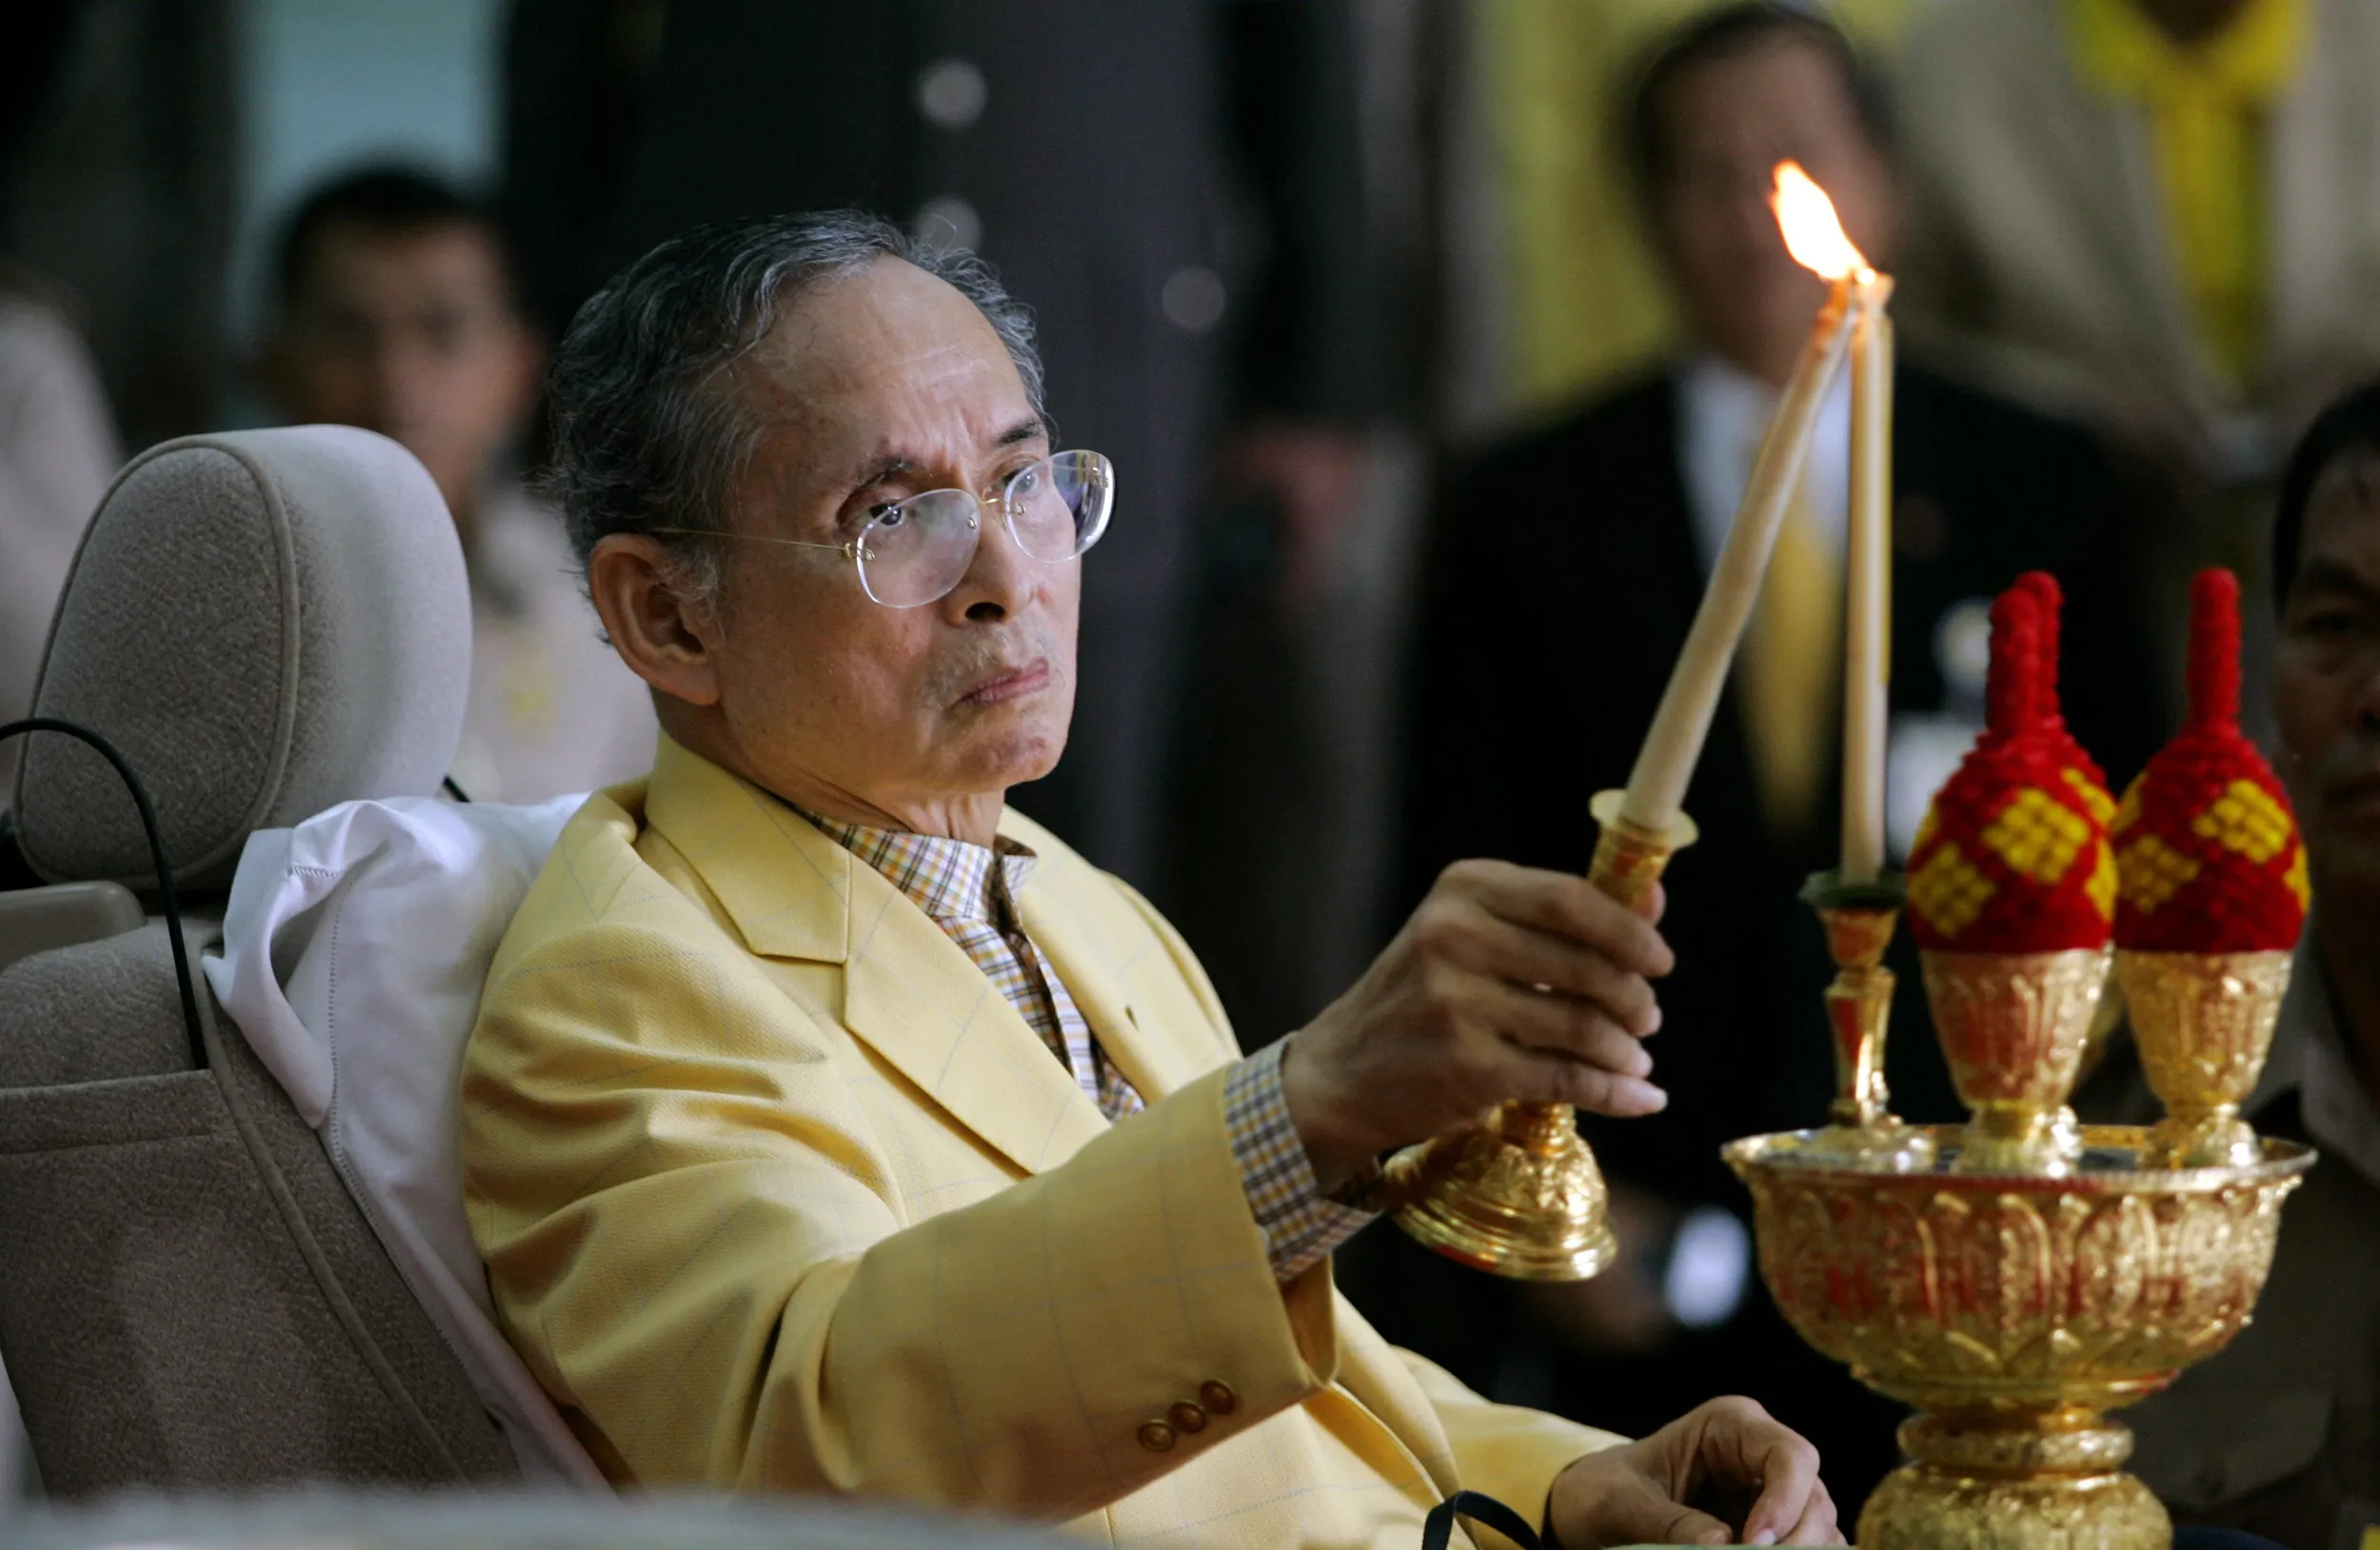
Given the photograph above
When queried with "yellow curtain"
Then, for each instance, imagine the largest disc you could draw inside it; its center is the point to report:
(1588, 305)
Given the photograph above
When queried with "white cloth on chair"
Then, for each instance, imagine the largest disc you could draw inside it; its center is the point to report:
(354, 948)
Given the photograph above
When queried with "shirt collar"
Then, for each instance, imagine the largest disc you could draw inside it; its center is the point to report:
(950, 880)
(2309, 1059)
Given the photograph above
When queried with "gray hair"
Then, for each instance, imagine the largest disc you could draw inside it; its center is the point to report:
(649, 432)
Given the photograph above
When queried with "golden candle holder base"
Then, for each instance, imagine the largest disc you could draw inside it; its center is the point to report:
(2013, 1027)
(2204, 1023)
(2013, 1309)
(1860, 919)
(1520, 1193)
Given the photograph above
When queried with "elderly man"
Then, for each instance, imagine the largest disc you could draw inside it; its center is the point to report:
(828, 1127)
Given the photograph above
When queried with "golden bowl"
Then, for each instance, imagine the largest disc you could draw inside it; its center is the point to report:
(2204, 1023)
(2014, 1028)
(2011, 1309)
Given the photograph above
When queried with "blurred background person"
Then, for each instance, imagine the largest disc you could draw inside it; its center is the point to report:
(2163, 215)
(58, 450)
(396, 312)
(1561, 575)
(2279, 1433)
(1173, 187)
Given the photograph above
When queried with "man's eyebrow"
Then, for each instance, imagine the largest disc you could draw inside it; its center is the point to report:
(1024, 430)
(879, 469)
(2321, 574)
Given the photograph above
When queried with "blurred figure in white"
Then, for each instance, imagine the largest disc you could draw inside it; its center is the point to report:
(58, 452)
(397, 312)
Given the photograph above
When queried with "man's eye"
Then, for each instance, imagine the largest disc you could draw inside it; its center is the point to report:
(889, 514)
(2330, 625)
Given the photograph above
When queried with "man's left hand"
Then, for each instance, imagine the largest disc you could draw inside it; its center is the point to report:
(1723, 1473)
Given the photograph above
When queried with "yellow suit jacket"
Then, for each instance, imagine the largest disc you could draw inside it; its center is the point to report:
(776, 1191)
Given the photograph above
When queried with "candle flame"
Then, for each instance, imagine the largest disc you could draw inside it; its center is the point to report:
(1813, 234)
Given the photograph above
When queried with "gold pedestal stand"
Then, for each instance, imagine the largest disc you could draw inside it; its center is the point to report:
(2027, 1276)
(1520, 1193)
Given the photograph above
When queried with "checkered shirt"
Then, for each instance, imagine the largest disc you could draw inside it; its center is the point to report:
(974, 902)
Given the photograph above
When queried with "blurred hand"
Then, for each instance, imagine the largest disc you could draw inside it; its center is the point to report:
(1506, 984)
(1723, 1473)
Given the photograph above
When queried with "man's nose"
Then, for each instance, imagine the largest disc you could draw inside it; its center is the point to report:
(1000, 578)
(2366, 702)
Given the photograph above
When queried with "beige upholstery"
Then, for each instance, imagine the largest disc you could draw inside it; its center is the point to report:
(265, 624)
(35, 920)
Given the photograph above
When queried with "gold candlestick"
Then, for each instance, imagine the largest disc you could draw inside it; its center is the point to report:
(1860, 919)
(1520, 1193)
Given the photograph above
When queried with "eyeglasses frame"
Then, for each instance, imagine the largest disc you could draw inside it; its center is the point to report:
(852, 549)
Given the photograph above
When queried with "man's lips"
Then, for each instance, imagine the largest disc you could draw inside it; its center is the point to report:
(1009, 684)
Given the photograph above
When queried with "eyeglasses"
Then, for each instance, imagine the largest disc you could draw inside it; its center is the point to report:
(916, 551)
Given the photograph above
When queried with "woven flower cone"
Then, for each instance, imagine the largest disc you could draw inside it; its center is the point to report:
(2012, 888)
(2211, 897)
(2080, 771)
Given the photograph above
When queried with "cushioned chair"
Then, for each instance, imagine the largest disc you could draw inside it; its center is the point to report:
(265, 624)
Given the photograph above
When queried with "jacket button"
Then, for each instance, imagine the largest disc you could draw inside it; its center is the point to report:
(1187, 1418)
(1157, 1437)
(1217, 1398)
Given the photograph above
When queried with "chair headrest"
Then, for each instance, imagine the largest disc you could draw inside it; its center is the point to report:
(266, 623)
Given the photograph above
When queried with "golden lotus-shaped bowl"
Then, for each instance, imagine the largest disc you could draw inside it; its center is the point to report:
(2011, 1309)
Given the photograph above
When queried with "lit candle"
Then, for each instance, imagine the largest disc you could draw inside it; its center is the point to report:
(1867, 636)
(1657, 788)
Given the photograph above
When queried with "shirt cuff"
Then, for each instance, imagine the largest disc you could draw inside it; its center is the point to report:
(1301, 1226)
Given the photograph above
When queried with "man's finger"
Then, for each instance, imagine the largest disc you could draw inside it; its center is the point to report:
(1789, 1483)
(1679, 1524)
(1543, 1022)
(1818, 1524)
(1525, 956)
(1552, 1079)
(1568, 906)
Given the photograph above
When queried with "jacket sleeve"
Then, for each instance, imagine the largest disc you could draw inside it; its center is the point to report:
(1510, 1453)
(715, 1263)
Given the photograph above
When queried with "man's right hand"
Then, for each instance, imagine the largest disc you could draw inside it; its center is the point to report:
(1507, 983)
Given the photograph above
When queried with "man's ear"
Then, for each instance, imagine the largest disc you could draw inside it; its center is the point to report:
(668, 638)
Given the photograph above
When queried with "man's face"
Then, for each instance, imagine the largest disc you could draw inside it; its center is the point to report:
(1729, 122)
(872, 389)
(412, 334)
(2326, 677)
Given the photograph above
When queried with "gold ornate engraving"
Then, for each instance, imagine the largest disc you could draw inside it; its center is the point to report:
(2204, 1023)
(2013, 1309)
(2013, 1027)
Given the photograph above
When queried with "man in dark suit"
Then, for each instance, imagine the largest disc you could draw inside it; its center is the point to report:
(1563, 573)
(1092, 152)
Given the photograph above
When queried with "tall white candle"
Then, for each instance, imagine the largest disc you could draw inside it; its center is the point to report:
(1867, 666)
(1657, 788)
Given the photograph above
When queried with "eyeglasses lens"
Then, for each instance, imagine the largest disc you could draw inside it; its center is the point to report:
(916, 552)
(1055, 509)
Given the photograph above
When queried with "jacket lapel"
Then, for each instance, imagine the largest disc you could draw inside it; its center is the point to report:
(910, 993)
(1097, 971)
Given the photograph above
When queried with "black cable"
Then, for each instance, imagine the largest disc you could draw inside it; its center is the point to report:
(156, 856)
(453, 790)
